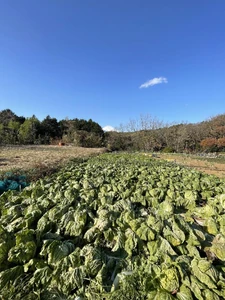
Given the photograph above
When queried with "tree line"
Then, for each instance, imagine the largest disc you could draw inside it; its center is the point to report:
(150, 134)
(146, 133)
(21, 130)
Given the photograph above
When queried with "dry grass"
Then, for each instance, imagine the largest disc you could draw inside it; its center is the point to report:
(44, 158)
(214, 168)
(30, 157)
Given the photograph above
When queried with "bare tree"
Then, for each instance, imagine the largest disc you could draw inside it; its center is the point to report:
(144, 122)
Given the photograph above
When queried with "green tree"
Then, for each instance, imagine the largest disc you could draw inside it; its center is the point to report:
(29, 132)
(6, 116)
(50, 129)
(13, 131)
(2, 134)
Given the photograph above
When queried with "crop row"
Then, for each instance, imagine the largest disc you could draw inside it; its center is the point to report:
(115, 227)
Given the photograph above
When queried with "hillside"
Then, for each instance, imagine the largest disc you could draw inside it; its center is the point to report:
(153, 135)
(146, 134)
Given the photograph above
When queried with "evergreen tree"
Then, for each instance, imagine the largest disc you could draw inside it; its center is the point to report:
(50, 129)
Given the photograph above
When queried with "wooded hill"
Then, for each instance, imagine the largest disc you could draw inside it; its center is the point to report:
(20, 130)
(145, 134)
(149, 134)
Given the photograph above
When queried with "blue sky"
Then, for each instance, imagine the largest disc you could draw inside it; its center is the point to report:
(88, 59)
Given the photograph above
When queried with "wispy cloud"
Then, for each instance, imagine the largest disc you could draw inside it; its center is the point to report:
(153, 81)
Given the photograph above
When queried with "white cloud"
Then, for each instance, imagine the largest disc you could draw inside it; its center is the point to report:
(108, 128)
(153, 81)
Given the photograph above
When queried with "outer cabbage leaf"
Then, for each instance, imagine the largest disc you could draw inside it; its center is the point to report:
(10, 276)
(4, 248)
(41, 277)
(202, 276)
(165, 247)
(25, 248)
(174, 235)
(218, 246)
(56, 250)
(184, 293)
(221, 199)
(22, 252)
(208, 294)
(196, 287)
(159, 295)
(145, 233)
(211, 226)
(131, 242)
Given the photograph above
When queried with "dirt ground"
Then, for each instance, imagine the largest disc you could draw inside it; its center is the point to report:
(31, 157)
(214, 168)
(27, 157)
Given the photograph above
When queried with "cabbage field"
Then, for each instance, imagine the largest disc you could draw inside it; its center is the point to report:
(117, 226)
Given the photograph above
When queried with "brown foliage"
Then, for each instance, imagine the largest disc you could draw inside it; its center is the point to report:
(221, 142)
(208, 143)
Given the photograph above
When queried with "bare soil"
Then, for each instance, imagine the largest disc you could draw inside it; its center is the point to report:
(28, 157)
(209, 167)
(48, 156)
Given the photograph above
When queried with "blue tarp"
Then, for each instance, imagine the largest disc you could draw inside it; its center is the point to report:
(12, 182)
